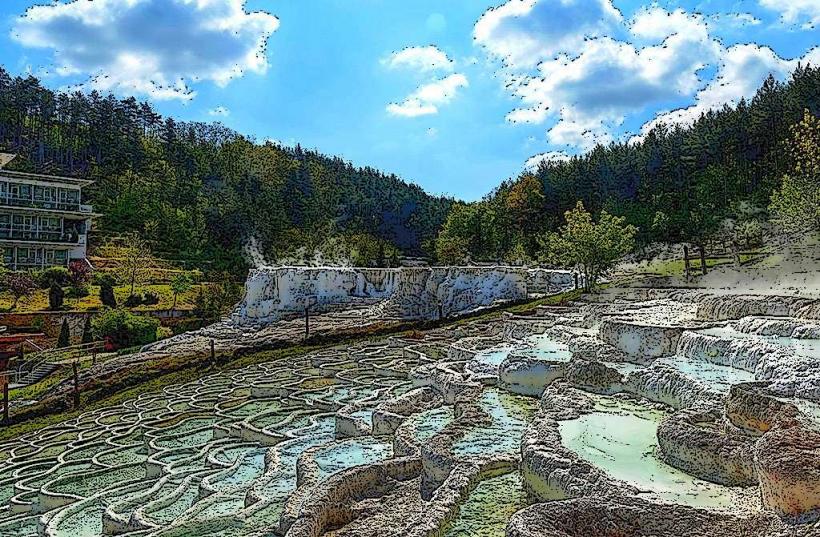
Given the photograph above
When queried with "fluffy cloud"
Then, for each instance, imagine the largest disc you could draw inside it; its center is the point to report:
(590, 95)
(428, 97)
(802, 12)
(742, 70)
(535, 161)
(151, 47)
(656, 23)
(524, 32)
(421, 59)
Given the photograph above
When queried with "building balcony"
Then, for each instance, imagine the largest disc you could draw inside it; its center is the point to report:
(74, 207)
(29, 235)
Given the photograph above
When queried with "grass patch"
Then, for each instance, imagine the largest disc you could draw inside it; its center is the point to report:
(38, 301)
(675, 267)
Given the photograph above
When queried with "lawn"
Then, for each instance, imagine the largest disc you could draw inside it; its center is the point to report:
(675, 267)
(39, 300)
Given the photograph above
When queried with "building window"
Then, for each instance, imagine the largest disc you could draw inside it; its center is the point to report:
(69, 196)
(26, 256)
(8, 256)
(20, 191)
(60, 257)
(49, 223)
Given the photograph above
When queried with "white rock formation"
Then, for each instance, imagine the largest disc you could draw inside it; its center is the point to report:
(414, 293)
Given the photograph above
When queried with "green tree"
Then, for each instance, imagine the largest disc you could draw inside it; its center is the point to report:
(134, 260)
(182, 283)
(64, 340)
(451, 250)
(88, 331)
(796, 205)
(107, 296)
(55, 297)
(589, 246)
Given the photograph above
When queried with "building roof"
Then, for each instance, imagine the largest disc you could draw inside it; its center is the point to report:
(5, 158)
(46, 178)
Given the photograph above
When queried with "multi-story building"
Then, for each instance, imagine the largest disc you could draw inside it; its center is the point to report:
(43, 221)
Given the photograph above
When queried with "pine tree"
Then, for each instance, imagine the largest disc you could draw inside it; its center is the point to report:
(65, 336)
(88, 332)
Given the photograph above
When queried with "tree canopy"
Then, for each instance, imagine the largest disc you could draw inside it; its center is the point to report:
(199, 192)
(675, 183)
(589, 246)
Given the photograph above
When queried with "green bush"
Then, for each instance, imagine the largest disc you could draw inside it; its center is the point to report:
(124, 329)
(107, 297)
(53, 275)
(78, 292)
(55, 297)
(133, 301)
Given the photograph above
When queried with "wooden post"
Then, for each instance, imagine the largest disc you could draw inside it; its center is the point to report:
(94, 357)
(686, 262)
(213, 351)
(5, 399)
(576, 280)
(440, 310)
(702, 260)
(307, 322)
(76, 385)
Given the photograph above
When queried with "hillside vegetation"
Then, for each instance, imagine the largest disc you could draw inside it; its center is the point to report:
(715, 177)
(201, 192)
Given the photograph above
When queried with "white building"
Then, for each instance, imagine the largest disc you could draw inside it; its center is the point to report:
(43, 222)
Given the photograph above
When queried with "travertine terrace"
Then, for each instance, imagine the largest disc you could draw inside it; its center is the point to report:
(640, 412)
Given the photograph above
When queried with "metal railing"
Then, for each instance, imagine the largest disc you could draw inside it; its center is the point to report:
(23, 233)
(54, 357)
(54, 205)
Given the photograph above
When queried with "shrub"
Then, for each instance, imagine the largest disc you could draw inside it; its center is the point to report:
(164, 332)
(55, 297)
(65, 336)
(19, 284)
(133, 301)
(88, 333)
(125, 329)
(77, 292)
(107, 297)
(46, 278)
(150, 298)
(79, 273)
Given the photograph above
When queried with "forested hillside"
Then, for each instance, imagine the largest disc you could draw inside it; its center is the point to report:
(200, 192)
(677, 184)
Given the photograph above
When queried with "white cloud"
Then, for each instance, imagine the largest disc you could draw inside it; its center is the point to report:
(733, 20)
(427, 98)
(535, 161)
(421, 59)
(524, 32)
(805, 13)
(656, 23)
(151, 47)
(219, 111)
(591, 95)
(742, 70)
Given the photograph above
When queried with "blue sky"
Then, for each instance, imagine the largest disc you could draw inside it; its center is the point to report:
(455, 95)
